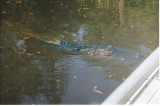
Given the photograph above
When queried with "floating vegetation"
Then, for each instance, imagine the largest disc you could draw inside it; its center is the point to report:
(97, 91)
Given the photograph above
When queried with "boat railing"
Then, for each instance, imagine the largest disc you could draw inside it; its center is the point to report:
(130, 88)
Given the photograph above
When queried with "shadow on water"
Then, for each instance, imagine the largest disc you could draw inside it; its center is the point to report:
(32, 72)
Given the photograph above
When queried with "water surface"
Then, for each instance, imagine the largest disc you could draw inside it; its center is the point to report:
(33, 72)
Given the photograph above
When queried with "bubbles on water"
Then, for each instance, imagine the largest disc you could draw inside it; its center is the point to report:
(20, 47)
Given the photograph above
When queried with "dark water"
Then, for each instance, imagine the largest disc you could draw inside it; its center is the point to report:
(33, 72)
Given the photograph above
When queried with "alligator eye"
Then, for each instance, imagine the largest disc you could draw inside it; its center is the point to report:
(78, 49)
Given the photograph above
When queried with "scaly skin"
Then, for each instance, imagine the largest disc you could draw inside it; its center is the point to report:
(103, 50)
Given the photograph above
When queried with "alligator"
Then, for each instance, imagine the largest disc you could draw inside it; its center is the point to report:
(94, 50)
(102, 50)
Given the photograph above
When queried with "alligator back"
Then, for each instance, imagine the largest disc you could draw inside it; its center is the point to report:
(103, 50)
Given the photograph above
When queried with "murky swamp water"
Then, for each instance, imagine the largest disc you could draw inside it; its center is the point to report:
(33, 72)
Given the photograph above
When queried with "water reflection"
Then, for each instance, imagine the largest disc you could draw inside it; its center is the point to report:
(31, 76)
(34, 73)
